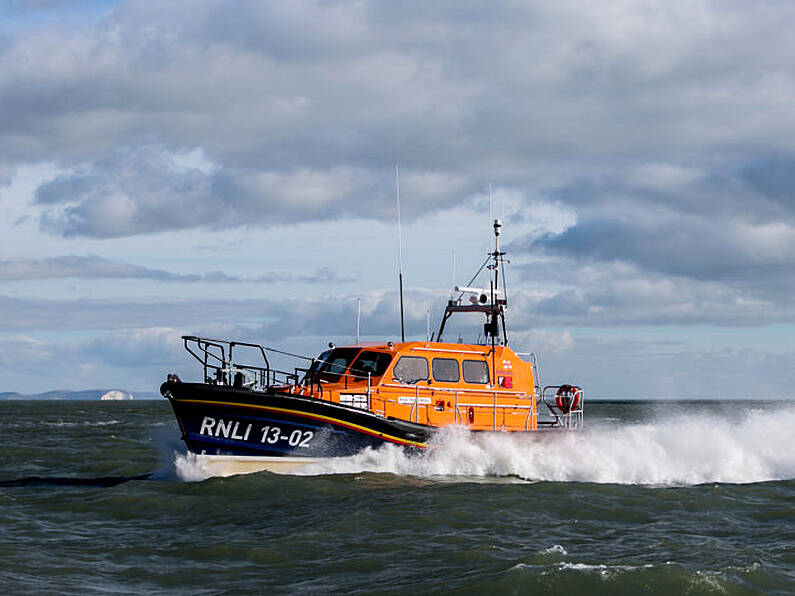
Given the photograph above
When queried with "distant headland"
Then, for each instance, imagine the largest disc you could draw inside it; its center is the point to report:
(84, 394)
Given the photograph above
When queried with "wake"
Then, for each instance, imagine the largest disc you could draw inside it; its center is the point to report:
(749, 446)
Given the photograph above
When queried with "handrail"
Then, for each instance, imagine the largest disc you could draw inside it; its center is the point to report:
(453, 390)
(217, 358)
(485, 352)
(572, 419)
(241, 343)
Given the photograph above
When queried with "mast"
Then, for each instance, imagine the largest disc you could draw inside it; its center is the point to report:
(490, 301)
(497, 265)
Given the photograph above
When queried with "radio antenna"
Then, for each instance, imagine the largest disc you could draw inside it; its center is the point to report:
(452, 275)
(400, 253)
(491, 210)
(358, 316)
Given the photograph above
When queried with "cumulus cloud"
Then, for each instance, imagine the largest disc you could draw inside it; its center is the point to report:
(605, 294)
(304, 108)
(148, 346)
(698, 247)
(729, 239)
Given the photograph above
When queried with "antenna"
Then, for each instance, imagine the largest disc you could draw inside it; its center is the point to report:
(491, 209)
(452, 274)
(428, 324)
(358, 316)
(400, 253)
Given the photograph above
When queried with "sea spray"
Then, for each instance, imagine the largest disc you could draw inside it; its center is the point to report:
(190, 467)
(742, 446)
(683, 449)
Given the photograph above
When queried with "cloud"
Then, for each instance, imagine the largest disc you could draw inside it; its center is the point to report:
(145, 190)
(27, 314)
(646, 368)
(601, 294)
(93, 267)
(303, 109)
(18, 350)
(773, 177)
(149, 346)
(697, 247)
(596, 296)
(733, 233)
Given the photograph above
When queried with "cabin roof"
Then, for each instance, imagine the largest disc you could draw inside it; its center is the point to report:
(441, 347)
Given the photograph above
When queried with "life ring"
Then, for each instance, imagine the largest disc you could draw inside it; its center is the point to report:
(471, 414)
(568, 398)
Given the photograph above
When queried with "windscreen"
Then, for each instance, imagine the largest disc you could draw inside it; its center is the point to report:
(336, 363)
(374, 363)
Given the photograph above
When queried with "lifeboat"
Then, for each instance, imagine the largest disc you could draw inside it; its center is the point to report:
(245, 417)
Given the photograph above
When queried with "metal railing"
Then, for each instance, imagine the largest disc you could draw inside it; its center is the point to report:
(217, 357)
(566, 415)
(219, 367)
(459, 417)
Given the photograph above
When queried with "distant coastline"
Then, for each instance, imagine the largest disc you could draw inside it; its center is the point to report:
(81, 395)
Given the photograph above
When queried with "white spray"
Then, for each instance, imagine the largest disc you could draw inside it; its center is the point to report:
(755, 446)
(750, 446)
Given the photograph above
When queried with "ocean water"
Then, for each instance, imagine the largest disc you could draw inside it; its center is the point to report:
(657, 498)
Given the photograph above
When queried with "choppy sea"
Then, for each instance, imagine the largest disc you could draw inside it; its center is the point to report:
(650, 498)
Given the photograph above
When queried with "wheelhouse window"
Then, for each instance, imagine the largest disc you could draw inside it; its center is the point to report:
(374, 363)
(410, 369)
(336, 363)
(475, 371)
(445, 370)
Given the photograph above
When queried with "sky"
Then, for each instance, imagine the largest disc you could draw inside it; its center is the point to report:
(227, 169)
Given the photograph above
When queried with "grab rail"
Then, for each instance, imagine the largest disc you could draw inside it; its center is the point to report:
(571, 418)
(219, 368)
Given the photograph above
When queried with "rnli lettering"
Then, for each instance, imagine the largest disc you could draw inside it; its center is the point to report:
(227, 429)
(223, 428)
(242, 437)
(207, 426)
(234, 429)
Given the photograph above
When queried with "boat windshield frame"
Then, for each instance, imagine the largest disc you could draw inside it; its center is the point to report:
(359, 371)
(324, 372)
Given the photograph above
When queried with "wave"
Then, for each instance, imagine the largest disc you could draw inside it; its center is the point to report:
(101, 481)
(63, 424)
(746, 447)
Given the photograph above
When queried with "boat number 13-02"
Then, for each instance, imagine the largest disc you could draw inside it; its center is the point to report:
(297, 438)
